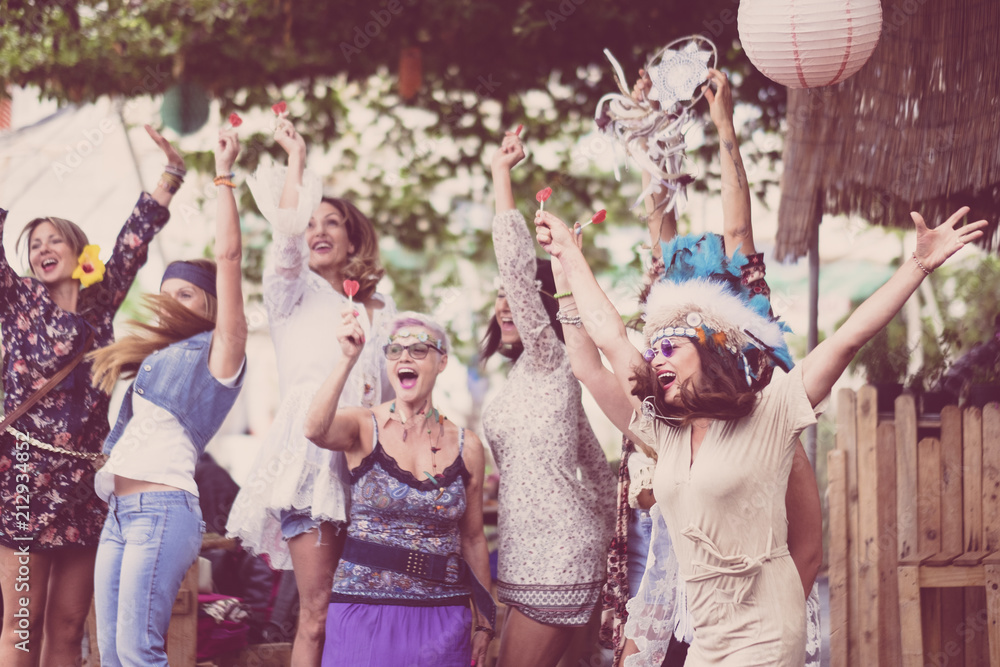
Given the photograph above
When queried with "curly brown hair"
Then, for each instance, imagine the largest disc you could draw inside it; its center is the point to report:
(722, 392)
(365, 264)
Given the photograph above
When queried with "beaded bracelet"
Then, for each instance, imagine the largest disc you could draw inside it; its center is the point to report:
(179, 172)
(575, 320)
(224, 180)
(922, 267)
(489, 631)
(170, 182)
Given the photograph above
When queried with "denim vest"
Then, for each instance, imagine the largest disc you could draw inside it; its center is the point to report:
(177, 379)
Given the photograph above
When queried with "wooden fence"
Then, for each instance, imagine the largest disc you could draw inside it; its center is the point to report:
(914, 510)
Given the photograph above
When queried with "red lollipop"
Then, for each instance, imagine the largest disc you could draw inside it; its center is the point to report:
(235, 120)
(351, 288)
(596, 219)
(542, 196)
(279, 107)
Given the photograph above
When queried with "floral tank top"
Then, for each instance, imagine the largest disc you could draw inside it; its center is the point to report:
(391, 507)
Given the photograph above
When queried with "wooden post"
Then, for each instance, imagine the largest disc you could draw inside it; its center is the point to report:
(847, 441)
(912, 651)
(952, 532)
(868, 525)
(991, 477)
(836, 465)
(906, 478)
(888, 588)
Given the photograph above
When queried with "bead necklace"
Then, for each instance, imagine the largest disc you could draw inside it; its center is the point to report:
(428, 423)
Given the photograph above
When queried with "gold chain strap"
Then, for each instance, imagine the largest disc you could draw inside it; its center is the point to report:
(24, 437)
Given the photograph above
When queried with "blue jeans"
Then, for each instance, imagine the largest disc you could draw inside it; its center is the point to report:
(640, 529)
(148, 543)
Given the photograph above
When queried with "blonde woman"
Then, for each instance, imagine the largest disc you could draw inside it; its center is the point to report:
(188, 369)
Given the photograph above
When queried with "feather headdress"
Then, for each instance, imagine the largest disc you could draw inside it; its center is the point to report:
(702, 296)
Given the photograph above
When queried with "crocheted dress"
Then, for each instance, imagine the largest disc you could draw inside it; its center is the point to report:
(60, 508)
(557, 491)
(303, 310)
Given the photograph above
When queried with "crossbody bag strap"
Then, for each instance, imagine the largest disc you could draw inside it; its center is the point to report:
(49, 384)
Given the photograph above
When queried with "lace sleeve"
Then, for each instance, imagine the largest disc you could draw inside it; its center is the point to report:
(131, 249)
(10, 282)
(286, 273)
(267, 183)
(516, 261)
(658, 609)
(640, 472)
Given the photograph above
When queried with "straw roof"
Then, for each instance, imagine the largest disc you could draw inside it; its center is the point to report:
(918, 128)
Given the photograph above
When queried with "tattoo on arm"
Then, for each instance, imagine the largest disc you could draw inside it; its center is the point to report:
(728, 145)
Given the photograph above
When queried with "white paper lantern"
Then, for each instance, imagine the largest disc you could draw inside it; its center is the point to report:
(809, 43)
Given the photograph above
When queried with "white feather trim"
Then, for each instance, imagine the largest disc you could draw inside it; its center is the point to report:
(721, 310)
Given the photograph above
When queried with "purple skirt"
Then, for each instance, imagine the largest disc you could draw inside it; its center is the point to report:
(378, 635)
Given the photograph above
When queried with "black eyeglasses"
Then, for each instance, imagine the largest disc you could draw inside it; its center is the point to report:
(394, 351)
(666, 347)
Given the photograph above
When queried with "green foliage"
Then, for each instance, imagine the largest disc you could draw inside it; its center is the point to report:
(486, 67)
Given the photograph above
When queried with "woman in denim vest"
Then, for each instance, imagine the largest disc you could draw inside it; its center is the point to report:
(188, 372)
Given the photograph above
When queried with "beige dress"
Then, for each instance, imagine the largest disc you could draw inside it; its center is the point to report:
(726, 517)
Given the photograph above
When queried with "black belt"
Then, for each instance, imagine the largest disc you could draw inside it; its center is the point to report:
(451, 569)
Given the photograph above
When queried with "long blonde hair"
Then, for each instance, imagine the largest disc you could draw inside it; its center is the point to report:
(173, 323)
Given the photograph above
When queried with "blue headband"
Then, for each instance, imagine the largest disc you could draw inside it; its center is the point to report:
(194, 274)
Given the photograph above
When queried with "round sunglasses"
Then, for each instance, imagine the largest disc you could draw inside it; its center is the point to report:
(666, 348)
(394, 351)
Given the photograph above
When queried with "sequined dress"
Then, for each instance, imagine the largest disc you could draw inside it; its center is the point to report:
(60, 507)
(557, 491)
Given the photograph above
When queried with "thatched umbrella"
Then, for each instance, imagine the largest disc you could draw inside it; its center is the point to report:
(918, 128)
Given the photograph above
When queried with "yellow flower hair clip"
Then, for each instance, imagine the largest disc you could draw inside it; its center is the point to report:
(90, 268)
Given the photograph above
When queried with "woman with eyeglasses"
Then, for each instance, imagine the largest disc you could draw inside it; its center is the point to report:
(557, 491)
(324, 255)
(415, 549)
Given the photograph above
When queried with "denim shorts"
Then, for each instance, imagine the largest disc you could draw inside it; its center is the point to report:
(295, 522)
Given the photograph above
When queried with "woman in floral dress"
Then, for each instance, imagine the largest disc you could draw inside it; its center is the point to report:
(51, 516)
(557, 491)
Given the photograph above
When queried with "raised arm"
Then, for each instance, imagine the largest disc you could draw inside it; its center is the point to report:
(737, 229)
(326, 424)
(585, 359)
(598, 315)
(164, 192)
(822, 367)
(515, 252)
(229, 341)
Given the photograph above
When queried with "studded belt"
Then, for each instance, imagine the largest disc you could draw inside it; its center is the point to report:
(451, 569)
